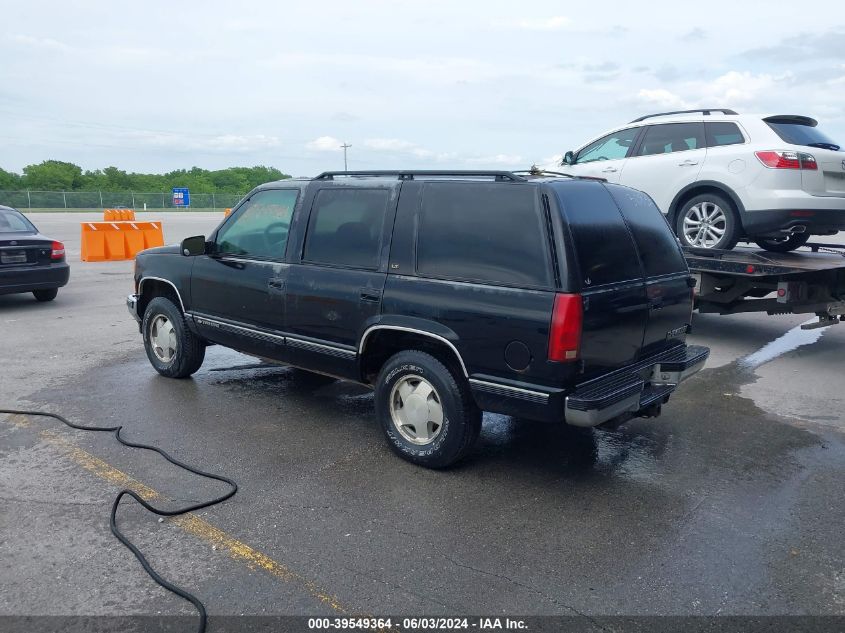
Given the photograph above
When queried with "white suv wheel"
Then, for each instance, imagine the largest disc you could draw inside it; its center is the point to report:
(707, 221)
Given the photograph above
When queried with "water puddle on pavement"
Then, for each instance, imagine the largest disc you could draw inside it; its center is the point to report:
(790, 341)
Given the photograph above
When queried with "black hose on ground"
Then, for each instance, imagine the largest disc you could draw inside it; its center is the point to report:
(160, 512)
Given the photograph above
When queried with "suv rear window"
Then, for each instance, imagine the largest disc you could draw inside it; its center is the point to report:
(671, 137)
(603, 245)
(484, 232)
(658, 247)
(346, 226)
(722, 133)
(799, 131)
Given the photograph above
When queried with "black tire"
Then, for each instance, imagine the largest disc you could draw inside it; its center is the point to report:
(461, 418)
(46, 295)
(189, 349)
(729, 221)
(783, 244)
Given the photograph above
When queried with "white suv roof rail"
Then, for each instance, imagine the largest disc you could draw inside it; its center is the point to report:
(705, 111)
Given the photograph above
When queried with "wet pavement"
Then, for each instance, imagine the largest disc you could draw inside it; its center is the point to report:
(730, 503)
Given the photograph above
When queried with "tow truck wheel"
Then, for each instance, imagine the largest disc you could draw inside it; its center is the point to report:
(783, 244)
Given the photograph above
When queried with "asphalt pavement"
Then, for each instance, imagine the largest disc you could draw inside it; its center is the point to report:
(729, 503)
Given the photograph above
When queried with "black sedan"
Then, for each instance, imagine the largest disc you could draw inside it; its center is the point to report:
(29, 262)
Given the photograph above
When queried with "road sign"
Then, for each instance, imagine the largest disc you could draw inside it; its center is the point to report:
(181, 197)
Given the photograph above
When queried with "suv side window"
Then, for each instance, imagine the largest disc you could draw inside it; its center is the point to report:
(482, 232)
(603, 246)
(671, 137)
(723, 133)
(346, 227)
(659, 249)
(611, 147)
(259, 228)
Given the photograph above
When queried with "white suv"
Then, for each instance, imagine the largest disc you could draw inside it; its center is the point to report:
(721, 177)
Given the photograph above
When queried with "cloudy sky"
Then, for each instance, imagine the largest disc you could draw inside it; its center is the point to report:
(154, 86)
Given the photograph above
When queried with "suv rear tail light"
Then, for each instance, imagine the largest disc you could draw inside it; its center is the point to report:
(565, 331)
(787, 160)
(58, 251)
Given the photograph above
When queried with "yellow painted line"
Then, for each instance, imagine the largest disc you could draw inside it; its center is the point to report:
(18, 421)
(193, 524)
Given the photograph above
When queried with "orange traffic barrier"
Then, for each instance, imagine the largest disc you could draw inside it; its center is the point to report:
(113, 241)
(122, 215)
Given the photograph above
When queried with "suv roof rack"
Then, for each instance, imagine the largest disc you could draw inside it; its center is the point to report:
(705, 111)
(536, 171)
(409, 174)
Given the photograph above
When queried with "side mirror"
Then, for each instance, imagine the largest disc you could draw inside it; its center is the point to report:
(192, 246)
(568, 158)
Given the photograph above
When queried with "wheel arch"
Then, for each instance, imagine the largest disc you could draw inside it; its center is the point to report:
(382, 340)
(151, 287)
(705, 186)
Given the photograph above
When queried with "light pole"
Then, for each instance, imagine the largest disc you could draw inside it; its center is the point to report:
(345, 146)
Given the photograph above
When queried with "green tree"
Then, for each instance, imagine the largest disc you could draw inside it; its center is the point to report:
(9, 181)
(52, 175)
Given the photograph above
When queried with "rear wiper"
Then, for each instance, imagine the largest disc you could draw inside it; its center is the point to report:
(832, 146)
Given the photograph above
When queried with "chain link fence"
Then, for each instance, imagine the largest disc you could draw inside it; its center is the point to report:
(110, 199)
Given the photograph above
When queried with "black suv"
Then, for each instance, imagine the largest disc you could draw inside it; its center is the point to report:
(549, 298)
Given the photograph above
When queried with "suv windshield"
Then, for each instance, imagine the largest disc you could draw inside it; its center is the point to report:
(13, 222)
(798, 131)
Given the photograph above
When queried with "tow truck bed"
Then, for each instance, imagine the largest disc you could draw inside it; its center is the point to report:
(751, 280)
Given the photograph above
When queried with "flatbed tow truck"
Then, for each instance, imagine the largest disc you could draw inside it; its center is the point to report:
(751, 280)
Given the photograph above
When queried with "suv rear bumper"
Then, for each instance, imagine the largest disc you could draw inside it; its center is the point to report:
(629, 390)
(778, 221)
(633, 389)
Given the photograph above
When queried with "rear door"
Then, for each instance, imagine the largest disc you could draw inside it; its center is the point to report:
(667, 158)
(335, 284)
(667, 289)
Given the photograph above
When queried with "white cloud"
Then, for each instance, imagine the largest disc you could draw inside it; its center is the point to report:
(661, 97)
(730, 89)
(553, 23)
(47, 43)
(218, 143)
(496, 159)
(324, 144)
(390, 145)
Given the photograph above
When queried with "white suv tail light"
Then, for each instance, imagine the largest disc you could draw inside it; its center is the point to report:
(776, 159)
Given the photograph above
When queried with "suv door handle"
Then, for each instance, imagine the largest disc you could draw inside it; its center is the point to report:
(276, 284)
(370, 296)
(609, 170)
(688, 162)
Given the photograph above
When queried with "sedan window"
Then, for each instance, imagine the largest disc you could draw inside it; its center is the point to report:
(13, 222)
